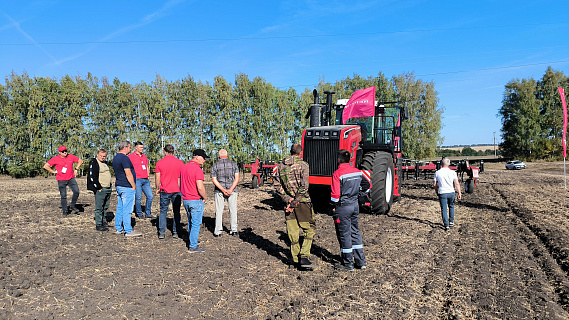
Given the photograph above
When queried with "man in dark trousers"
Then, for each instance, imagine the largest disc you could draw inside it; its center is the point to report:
(65, 176)
(168, 188)
(99, 181)
(348, 183)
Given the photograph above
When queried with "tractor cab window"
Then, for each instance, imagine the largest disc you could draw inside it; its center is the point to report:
(379, 129)
(366, 123)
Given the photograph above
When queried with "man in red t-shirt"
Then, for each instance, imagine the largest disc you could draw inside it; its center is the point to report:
(65, 176)
(168, 188)
(142, 170)
(194, 196)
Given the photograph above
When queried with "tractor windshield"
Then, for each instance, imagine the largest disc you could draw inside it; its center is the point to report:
(379, 129)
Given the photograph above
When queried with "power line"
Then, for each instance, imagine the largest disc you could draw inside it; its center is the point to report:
(453, 72)
(279, 37)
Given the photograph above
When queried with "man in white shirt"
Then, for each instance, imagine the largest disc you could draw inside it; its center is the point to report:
(444, 184)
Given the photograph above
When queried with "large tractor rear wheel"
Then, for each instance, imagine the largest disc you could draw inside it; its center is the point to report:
(380, 164)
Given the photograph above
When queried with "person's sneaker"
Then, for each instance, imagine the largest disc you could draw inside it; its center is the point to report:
(306, 264)
(161, 236)
(74, 210)
(447, 228)
(344, 267)
(133, 234)
(101, 228)
(149, 217)
(217, 235)
(175, 236)
(196, 249)
(451, 224)
(119, 232)
(362, 267)
(234, 233)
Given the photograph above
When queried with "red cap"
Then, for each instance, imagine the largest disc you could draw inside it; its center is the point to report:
(62, 148)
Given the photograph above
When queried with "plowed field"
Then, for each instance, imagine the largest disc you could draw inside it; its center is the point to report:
(506, 258)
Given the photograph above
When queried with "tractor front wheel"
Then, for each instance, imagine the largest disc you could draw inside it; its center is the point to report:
(380, 165)
(255, 182)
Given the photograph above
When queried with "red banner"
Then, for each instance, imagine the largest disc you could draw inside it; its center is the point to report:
(562, 93)
(361, 104)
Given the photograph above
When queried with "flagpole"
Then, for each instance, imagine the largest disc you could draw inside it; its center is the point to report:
(564, 141)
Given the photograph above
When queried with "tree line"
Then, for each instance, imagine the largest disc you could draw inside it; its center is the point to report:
(466, 152)
(250, 118)
(532, 117)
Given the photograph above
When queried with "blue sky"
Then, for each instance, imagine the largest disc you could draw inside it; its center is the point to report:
(470, 50)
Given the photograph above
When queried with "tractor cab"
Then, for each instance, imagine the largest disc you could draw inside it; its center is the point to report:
(381, 131)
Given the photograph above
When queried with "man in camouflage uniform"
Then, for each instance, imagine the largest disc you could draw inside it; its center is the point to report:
(291, 182)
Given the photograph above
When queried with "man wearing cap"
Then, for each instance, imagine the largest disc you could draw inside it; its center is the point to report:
(168, 188)
(194, 196)
(126, 187)
(225, 177)
(65, 176)
(140, 163)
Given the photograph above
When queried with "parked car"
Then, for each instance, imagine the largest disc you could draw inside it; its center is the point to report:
(515, 165)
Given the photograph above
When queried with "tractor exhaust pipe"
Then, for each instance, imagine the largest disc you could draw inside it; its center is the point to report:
(328, 108)
(315, 110)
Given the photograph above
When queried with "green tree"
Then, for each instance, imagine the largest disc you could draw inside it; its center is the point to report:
(421, 132)
(520, 114)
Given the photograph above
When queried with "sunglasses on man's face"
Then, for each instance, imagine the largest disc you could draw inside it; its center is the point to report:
(64, 151)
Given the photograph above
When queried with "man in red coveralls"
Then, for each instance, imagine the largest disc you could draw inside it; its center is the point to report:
(140, 163)
(347, 185)
(65, 177)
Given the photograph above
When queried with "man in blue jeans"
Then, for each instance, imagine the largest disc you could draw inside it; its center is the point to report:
(142, 170)
(126, 189)
(194, 196)
(444, 183)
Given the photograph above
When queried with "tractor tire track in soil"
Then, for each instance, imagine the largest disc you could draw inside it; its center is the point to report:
(507, 257)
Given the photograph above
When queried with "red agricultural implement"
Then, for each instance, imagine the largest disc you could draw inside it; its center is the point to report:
(375, 144)
(413, 169)
(261, 172)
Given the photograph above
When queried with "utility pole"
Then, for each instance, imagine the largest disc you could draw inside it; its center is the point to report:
(495, 144)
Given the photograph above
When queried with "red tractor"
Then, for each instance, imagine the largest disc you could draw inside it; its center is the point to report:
(374, 143)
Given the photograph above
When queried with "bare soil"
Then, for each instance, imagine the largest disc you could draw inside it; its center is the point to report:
(506, 258)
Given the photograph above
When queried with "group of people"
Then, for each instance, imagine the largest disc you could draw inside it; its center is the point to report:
(183, 184)
(176, 183)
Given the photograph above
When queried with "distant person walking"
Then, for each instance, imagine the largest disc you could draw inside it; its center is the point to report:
(225, 177)
(347, 184)
(194, 196)
(65, 176)
(126, 188)
(291, 183)
(140, 163)
(168, 188)
(99, 181)
(444, 184)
